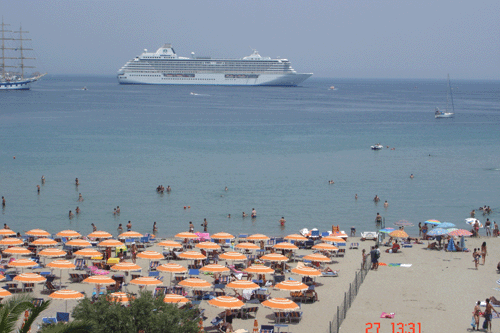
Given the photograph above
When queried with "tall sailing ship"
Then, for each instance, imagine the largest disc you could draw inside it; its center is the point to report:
(165, 67)
(13, 57)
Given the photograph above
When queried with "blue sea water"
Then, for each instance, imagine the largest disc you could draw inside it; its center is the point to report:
(275, 148)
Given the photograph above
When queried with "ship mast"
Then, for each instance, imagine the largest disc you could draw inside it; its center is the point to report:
(21, 49)
(3, 47)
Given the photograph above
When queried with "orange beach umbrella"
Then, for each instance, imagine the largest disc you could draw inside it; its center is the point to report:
(61, 264)
(399, 234)
(226, 302)
(11, 241)
(150, 255)
(4, 293)
(99, 234)
(233, 256)
(325, 247)
(274, 257)
(68, 233)
(52, 252)
(99, 279)
(174, 298)
(66, 295)
(333, 239)
(186, 234)
(259, 269)
(242, 284)
(88, 252)
(306, 271)
(285, 246)
(44, 242)
(214, 268)
(170, 244)
(222, 235)
(257, 237)
(110, 243)
(247, 246)
(208, 246)
(317, 257)
(130, 234)
(7, 232)
(78, 243)
(126, 267)
(22, 263)
(296, 237)
(30, 278)
(17, 250)
(146, 281)
(120, 297)
(292, 285)
(38, 233)
(282, 304)
(195, 283)
(172, 268)
(193, 255)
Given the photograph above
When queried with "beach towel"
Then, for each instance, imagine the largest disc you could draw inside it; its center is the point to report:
(406, 265)
(394, 265)
(387, 315)
(451, 246)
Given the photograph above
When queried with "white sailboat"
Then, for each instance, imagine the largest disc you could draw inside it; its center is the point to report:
(449, 96)
(14, 80)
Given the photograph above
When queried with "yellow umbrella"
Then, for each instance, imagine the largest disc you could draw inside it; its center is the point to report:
(399, 234)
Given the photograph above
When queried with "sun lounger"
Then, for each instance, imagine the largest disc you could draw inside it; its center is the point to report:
(295, 316)
(245, 312)
(369, 235)
(331, 274)
(341, 253)
(266, 329)
(49, 321)
(62, 317)
(280, 317)
(354, 246)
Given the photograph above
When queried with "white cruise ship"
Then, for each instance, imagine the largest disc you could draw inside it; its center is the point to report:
(165, 67)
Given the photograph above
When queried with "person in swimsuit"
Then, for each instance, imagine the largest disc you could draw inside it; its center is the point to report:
(155, 228)
(191, 226)
(476, 313)
(483, 252)
(378, 218)
(129, 226)
(488, 315)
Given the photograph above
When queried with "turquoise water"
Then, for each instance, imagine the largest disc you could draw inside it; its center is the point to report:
(274, 148)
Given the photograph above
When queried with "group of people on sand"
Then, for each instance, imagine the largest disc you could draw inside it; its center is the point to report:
(161, 189)
(480, 253)
(487, 314)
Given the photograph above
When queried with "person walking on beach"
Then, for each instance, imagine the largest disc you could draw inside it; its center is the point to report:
(155, 228)
(496, 232)
(129, 226)
(364, 255)
(483, 252)
(475, 256)
(488, 316)
(373, 256)
(133, 251)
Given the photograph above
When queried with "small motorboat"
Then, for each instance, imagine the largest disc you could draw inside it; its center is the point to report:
(377, 146)
(440, 114)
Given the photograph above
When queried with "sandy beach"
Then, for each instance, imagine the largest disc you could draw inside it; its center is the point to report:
(438, 290)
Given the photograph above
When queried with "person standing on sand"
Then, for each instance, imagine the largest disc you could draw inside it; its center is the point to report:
(373, 257)
(487, 226)
(488, 316)
(495, 229)
(483, 252)
(378, 256)
(477, 313)
(475, 256)
(364, 255)
(133, 251)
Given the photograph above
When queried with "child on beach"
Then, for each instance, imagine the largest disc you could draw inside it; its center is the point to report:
(476, 256)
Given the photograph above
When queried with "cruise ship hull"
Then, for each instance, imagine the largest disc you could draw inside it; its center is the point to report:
(215, 79)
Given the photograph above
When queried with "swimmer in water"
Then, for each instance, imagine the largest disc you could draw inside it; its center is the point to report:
(38, 189)
(94, 228)
(386, 204)
(244, 214)
(77, 210)
(70, 214)
(228, 216)
(376, 199)
(254, 213)
(282, 220)
(80, 198)
(43, 179)
(77, 182)
(225, 189)
(411, 176)
(117, 209)
(356, 196)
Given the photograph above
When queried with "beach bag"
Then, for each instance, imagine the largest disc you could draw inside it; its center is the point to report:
(485, 324)
(473, 323)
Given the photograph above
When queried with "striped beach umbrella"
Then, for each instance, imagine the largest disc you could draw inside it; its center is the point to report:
(247, 246)
(192, 255)
(433, 222)
(99, 234)
(44, 242)
(110, 243)
(52, 252)
(78, 243)
(151, 255)
(274, 257)
(242, 284)
(188, 235)
(281, 304)
(146, 281)
(68, 233)
(316, 257)
(257, 237)
(325, 247)
(235, 256)
(222, 235)
(306, 271)
(296, 237)
(7, 232)
(292, 285)
(61, 264)
(333, 239)
(120, 297)
(259, 269)
(87, 252)
(66, 295)
(172, 268)
(226, 302)
(170, 244)
(38, 233)
(285, 246)
(195, 283)
(11, 241)
(4, 293)
(214, 268)
(17, 250)
(130, 234)
(125, 267)
(208, 246)
(175, 299)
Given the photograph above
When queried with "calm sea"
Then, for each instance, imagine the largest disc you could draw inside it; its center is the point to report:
(274, 148)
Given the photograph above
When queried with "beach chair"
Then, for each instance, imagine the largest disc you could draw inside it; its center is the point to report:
(266, 329)
(242, 237)
(315, 234)
(13, 288)
(354, 246)
(28, 287)
(49, 321)
(179, 278)
(260, 297)
(245, 312)
(280, 317)
(278, 279)
(37, 302)
(75, 278)
(325, 234)
(193, 272)
(155, 274)
(296, 296)
(219, 293)
(366, 235)
(308, 244)
(331, 274)
(62, 317)
(341, 253)
(295, 316)
(80, 264)
(153, 265)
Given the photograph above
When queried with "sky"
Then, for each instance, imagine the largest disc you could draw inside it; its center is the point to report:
(336, 38)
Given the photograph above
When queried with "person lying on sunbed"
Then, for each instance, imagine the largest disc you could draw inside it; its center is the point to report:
(433, 246)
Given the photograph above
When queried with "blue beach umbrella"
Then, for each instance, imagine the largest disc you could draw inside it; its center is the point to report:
(447, 225)
(386, 230)
(437, 232)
